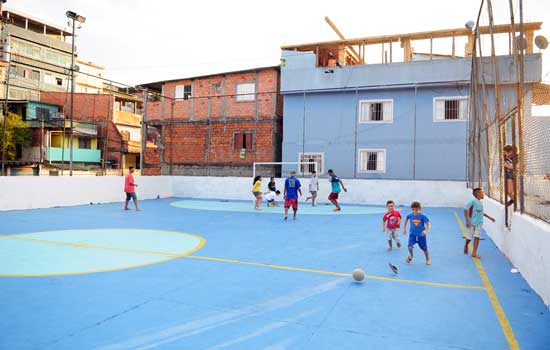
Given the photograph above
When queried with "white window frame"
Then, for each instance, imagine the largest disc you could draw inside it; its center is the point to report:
(359, 154)
(320, 170)
(179, 92)
(368, 121)
(246, 96)
(444, 98)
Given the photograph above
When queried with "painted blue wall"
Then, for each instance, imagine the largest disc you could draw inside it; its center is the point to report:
(321, 115)
(31, 109)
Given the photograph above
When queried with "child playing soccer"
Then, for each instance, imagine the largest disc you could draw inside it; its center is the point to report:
(391, 223)
(420, 225)
(313, 187)
(337, 186)
(473, 214)
(271, 198)
(292, 188)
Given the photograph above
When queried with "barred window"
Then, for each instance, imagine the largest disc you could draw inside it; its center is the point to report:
(307, 169)
(372, 111)
(450, 108)
(372, 161)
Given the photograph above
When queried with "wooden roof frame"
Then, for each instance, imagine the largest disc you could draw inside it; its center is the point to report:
(445, 33)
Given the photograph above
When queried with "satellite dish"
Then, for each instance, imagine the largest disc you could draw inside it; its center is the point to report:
(469, 25)
(541, 42)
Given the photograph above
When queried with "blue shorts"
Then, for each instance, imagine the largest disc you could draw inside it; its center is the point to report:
(421, 240)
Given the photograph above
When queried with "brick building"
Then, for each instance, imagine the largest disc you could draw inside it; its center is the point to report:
(117, 117)
(216, 124)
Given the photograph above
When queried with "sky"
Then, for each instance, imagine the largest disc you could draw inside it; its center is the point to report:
(139, 41)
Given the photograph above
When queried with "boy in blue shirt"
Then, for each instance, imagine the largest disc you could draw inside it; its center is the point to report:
(292, 188)
(473, 214)
(420, 225)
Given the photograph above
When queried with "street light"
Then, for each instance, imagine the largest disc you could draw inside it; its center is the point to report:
(80, 19)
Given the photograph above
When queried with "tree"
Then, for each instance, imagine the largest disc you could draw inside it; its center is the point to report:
(16, 133)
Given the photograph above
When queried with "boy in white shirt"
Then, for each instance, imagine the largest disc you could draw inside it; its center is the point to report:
(271, 198)
(313, 187)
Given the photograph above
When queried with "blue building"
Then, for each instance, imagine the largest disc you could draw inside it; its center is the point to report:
(392, 120)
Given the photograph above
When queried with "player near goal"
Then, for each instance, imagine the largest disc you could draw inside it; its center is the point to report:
(292, 188)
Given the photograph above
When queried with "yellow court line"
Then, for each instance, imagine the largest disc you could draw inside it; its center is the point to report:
(499, 311)
(324, 272)
(202, 242)
(170, 256)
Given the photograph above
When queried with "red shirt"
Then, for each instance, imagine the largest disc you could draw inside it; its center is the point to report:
(392, 219)
(129, 183)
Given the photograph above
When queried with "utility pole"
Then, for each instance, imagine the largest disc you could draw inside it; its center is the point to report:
(143, 132)
(5, 109)
(72, 105)
(80, 19)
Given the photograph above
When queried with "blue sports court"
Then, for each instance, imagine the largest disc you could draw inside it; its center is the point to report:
(210, 274)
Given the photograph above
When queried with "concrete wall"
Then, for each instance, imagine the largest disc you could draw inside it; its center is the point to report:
(18, 193)
(431, 193)
(526, 244)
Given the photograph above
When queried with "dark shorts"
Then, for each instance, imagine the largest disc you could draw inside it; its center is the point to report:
(257, 194)
(131, 195)
(421, 240)
(333, 195)
(292, 202)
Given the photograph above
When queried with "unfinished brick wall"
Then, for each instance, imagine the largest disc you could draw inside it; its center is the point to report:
(200, 134)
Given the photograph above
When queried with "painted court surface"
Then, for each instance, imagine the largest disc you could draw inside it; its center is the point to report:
(189, 274)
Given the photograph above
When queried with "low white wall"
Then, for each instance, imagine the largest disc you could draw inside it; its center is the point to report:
(29, 192)
(430, 193)
(526, 244)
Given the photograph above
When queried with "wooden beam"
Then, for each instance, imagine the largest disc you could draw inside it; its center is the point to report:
(469, 46)
(407, 50)
(354, 53)
(445, 33)
(529, 38)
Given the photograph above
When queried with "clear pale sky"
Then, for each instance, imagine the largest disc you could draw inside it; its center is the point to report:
(140, 41)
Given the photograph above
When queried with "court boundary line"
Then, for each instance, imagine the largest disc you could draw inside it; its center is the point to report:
(493, 298)
(341, 274)
(188, 255)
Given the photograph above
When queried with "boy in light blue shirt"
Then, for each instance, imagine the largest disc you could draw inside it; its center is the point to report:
(473, 214)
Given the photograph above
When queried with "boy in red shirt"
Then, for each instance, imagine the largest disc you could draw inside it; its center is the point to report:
(390, 224)
(130, 189)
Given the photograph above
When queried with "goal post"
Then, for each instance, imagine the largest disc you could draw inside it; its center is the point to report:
(301, 168)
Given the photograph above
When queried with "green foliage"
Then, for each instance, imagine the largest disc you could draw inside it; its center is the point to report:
(16, 133)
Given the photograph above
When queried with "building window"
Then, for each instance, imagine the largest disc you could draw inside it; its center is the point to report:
(372, 161)
(20, 72)
(58, 81)
(84, 143)
(183, 91)
(450, 108)
(242, 140)
(42, 113)
(245, 92)
(307, 169)
(35, 75)
(375, 111)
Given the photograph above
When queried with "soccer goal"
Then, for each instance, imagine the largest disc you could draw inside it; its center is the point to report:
(282, 169)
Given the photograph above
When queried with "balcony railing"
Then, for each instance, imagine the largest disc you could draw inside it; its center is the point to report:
(53, 154)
